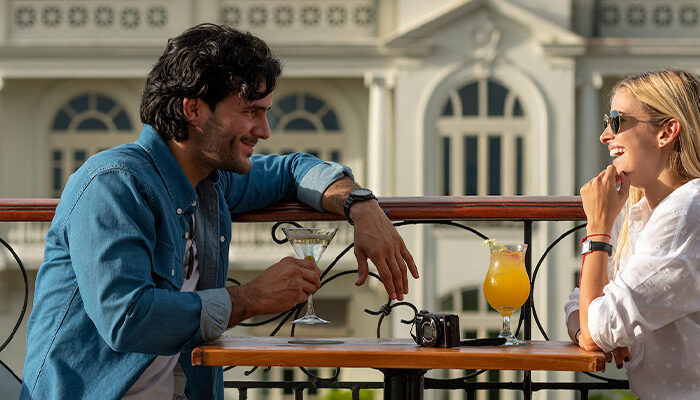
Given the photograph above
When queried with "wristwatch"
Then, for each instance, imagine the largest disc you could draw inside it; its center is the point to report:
(356, 195)
(589, 246)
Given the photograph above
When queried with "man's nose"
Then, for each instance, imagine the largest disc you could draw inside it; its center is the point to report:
(262, 129)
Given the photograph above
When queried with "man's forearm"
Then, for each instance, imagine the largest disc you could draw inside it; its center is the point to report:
(335, 195)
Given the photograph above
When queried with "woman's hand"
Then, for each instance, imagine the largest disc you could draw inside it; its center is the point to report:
(621, 354)
(602, 201)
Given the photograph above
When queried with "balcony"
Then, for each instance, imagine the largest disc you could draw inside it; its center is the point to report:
(456, 212)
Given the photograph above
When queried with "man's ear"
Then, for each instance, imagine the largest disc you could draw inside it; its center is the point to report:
(669, 133)
(191, 107)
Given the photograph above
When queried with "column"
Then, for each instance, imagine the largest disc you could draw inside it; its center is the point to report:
(5, 22)
(589, 128)
(379, 84)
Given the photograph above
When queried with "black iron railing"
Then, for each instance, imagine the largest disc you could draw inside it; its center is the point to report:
(450, 211)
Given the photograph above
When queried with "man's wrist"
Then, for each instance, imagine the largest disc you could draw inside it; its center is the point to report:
(241, 305)
(360, 209)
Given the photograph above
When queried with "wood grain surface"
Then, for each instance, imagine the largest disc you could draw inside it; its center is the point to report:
(395, 353)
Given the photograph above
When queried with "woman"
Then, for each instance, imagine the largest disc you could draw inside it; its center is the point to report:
(639, 293)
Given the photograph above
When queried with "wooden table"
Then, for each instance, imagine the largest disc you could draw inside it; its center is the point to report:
(402, 361)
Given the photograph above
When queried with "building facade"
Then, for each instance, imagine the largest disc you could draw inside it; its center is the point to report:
(420, 98)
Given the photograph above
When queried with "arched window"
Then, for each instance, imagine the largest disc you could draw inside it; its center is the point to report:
(482, 131)
(84, 125)
(303, 122)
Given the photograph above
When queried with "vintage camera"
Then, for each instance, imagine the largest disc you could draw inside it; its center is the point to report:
(437, 330)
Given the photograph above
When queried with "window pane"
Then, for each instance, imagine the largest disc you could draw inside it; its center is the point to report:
(105, 104)
(471, 162)
(312, 104)
(494, 375)
(469, 95)
(92, 124)
(447, 110)
(497, 98)
(79, 157)
(61, 121)
(288, 104)
(122, 121)
(446, 166)
(517, 109)
(313, 152)
(519, 165)
(494, 165)
(335, 156)
(299, 124)
(57, 172)
(79, 104)
(447, 303)
(273, 119)
(330, 121)
(470, 299)
(469, 334)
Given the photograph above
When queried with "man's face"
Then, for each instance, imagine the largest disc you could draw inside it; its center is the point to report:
(229, 134)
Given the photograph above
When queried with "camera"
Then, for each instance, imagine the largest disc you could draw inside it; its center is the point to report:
(437, 330)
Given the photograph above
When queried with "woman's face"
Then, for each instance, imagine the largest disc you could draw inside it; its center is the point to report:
(636, 146)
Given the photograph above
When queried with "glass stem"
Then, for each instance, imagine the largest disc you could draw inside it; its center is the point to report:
(505, 331)
(310, 305)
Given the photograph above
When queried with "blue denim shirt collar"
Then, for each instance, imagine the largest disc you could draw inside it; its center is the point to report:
(179, 187)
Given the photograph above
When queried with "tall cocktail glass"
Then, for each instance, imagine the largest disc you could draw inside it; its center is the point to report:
(507, 285)
(309, 244)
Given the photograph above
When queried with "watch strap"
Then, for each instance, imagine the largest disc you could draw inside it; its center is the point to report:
(589, 246)
(356, 195)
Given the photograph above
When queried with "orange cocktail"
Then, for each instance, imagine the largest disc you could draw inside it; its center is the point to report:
(507, 285)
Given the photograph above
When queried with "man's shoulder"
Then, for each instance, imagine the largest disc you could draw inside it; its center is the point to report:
(129, 157)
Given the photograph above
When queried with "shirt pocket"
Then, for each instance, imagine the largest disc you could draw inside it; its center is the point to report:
(167, 267)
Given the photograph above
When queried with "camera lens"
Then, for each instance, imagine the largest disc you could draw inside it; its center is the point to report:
(429, 333)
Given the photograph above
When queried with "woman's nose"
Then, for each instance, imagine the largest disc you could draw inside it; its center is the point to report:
(607, 135)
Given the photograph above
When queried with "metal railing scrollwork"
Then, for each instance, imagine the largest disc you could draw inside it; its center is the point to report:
(404, 211)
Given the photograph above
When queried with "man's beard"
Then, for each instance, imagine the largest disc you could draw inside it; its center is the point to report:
(229, 159)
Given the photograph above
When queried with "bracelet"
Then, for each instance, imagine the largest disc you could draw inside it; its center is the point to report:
(595, 234)
(576, 335)
(583, 261)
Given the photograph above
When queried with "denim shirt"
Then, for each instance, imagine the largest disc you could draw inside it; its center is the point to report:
(107, 298)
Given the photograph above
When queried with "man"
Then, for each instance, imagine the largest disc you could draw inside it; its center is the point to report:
(136, 258)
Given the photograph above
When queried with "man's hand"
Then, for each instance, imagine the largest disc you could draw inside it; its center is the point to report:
(279, 288)
(376, 238)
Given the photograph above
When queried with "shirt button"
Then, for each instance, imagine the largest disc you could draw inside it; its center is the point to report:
(179, 211)
(172, 272)
(222, 238)
(187, 235)
(194, 203)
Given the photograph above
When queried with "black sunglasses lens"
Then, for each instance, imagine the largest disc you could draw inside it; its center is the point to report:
(615, 121)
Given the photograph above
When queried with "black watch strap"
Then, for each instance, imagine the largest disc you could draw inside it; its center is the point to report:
(590, 246)
(356, 195)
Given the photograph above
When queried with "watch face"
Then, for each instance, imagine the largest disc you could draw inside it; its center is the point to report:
(361, 192)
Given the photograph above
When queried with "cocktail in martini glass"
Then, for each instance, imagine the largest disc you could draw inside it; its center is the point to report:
(309, 244)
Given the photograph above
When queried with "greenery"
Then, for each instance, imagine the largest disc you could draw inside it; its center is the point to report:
(337, 394)
(613, 395)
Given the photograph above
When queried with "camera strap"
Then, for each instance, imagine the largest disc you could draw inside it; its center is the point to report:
(497, 341)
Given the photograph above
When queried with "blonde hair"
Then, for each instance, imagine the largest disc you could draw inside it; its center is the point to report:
(664, 95)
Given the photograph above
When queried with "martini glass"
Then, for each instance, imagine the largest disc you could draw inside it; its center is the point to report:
(309, 244)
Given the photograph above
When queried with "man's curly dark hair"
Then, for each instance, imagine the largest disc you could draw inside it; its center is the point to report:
(209, 62)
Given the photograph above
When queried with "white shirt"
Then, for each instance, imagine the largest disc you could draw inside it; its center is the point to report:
(653, 304)
(164, 379)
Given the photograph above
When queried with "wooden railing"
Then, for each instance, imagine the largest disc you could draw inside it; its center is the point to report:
(439, 210)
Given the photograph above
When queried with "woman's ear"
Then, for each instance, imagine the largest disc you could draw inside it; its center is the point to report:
(670, 131)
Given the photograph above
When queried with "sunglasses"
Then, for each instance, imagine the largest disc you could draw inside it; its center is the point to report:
(613, 120)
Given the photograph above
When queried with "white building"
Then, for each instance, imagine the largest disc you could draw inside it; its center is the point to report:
(439, 97)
